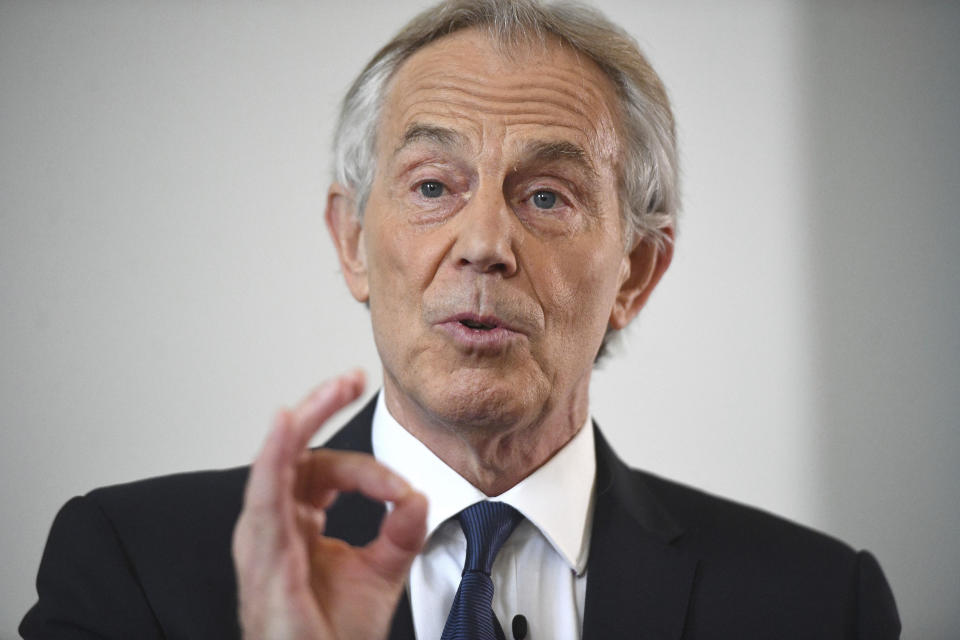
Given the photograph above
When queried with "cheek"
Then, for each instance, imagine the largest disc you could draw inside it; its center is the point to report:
(400, 264)
(584, 289)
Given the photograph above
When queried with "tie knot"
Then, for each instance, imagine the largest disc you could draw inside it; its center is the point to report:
(486, 525)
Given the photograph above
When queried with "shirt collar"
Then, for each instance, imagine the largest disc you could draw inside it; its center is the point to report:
(557, 498)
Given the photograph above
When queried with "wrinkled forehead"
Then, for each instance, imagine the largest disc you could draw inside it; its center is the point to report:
(491, 91)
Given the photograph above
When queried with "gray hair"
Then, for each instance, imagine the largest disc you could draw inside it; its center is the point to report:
(648, 168)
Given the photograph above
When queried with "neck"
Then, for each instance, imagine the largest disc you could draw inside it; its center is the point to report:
(492, 457)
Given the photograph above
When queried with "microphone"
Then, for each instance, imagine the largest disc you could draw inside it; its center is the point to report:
(519, 627)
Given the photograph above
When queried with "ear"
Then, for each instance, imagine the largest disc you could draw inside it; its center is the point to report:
(641, 270)
(346, 231)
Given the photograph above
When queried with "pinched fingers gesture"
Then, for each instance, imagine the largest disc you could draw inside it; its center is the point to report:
(294, 582)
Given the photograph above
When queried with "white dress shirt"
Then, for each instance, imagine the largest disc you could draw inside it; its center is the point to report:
(540, 572)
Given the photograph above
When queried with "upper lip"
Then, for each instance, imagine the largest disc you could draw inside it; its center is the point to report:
(491, 321)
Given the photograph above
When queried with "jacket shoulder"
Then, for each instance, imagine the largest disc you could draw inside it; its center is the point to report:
(199, 503)
(151, 558)
(711, 520)
(751, 562)
(144, 559)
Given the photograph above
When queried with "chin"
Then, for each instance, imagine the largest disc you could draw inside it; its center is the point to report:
(474, 400)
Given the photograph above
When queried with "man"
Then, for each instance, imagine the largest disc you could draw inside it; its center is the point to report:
(505, 198)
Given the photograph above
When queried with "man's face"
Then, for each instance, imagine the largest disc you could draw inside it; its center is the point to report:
(492, 248)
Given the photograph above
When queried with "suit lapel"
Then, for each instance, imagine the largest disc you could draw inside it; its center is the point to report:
(638, 584)
(356, 519)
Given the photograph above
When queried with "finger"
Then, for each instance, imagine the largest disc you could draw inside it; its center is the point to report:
(323, 470)
(401, 537)
(308, 489)
(272, 472)
(267, 516)
(312, 522)
(324, 499)
(327, 399)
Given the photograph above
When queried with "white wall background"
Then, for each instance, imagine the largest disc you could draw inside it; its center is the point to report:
(166, 281)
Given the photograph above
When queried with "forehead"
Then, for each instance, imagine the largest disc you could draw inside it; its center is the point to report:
(487, 93)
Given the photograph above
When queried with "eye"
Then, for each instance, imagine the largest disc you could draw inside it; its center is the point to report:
(431, 189)
(544, 199)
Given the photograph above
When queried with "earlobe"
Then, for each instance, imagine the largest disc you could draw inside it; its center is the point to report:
(346, 231)
(643, 267)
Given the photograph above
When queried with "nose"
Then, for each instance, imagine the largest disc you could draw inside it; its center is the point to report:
(486, 236)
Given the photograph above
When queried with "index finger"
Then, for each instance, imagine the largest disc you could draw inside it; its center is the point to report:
(323, 470)
(273, 472)
(323, 402)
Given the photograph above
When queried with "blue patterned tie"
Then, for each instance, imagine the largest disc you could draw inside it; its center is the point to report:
(487, 525)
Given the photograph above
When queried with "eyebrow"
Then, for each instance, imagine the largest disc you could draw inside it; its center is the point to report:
(537, 151)
(546, 151)
(418, 132)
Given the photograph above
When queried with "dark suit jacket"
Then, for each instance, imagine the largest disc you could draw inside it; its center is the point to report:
(151, 559)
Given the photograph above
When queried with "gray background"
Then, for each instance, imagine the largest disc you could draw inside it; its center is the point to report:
(167, 283)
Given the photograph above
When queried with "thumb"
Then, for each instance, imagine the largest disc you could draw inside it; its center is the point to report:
(401, 537)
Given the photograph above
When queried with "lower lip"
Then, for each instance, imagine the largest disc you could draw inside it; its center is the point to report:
(480, 340)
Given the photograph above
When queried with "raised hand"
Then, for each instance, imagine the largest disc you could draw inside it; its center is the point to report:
(296, 583)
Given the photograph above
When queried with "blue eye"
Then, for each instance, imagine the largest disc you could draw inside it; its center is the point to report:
(544, 199)
(431, 189)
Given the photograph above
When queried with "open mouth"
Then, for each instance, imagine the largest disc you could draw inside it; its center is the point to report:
(477, 325)
(480, 334)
